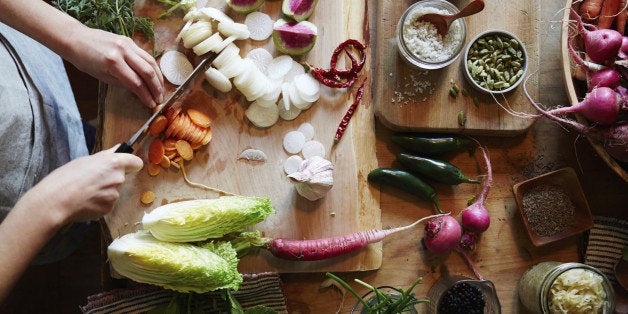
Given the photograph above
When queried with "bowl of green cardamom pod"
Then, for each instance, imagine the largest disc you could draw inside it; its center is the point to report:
(495, 62)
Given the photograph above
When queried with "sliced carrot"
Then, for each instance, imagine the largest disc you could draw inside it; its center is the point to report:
(153, 169)
(158, 125)
(196, 145)
(176, 162)
(170, 143)
(199, 118)
(147, 197)
(610, 10)
(185, 150)
(207, 137)
(156, 151)
(165, 162)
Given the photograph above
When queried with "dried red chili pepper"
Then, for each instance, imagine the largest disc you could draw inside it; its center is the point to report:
(342, 127)
(334, 77)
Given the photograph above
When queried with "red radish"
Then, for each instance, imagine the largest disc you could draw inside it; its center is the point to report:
(442, 234)
(623, 50)
(298, 10)
(475, 218)
(614, 138)
(600, 44)
(601, 105)
(294, 38)
(319, 249)
(597, 75)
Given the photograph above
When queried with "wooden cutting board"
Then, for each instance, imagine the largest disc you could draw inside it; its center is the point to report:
(351, 205)
(401, 105)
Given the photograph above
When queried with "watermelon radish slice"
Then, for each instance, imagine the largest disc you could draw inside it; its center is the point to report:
(298, 10)
(294, 38)
(244, 6)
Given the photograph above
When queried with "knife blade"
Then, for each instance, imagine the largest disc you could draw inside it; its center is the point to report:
(127, 147)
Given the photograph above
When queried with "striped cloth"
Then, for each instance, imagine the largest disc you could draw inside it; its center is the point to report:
(606, 240)
(257, 289)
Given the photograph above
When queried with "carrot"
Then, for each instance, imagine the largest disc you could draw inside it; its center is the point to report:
(185, 150)
(610, 10)
(156, 151)
(620, 21)
(153, 169)
(319, 249)
(159, 125)
(590, 10)
(147, 197)
(199, 118)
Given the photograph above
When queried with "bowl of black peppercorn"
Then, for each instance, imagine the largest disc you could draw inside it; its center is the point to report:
(458, 294)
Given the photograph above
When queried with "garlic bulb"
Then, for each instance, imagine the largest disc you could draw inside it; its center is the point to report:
(314, 178)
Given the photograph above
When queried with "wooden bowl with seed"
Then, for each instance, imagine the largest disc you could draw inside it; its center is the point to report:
(495, 62)
(553, 206)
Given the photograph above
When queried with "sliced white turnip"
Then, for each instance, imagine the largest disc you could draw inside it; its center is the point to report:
(225, 42)
(235, 67)
(313, 148)
(227, 55)
(307, 129)
(307, 86)
(265, 103)
(253, 154)
(208, 44)
(285, 95)
(295, 70)
(261, 57)
(279, 67)
(239, 30)
(294, 38)
(214, 14)
(292, 164)
(259, 24)
(218, 80)
(293, 142)
(185, 27)
(259, 86)
(196, 33)
(260, 116)
(273, 91)
(290, 114)
(194, 14)
(175, 66)
(295, 98)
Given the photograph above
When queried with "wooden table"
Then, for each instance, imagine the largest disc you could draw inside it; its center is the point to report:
(545, 147)
(504, 252)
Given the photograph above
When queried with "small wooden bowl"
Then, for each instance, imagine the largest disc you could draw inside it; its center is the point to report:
(566, 179)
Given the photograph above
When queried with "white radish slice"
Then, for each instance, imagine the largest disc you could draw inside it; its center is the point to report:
(175, 66)
(259, 24)
(182, 31)
(218, 80)
(258, 86)
(293, 142)
(279, 67)
(253, 154)
(196, 33)
(308, 87)
(261, 57)
(265, 103)
(239, 30)
(313, 148)
(307, 129)
(295, 70)
(234, 68)
(295, 98)
(227, 55)
(208, 44)
(215, 14)
(290, 114)
(273, 91)
(292, 164)
(201, 3)
(244, 81)
(193, 14)
(226, 42)
(262, 117)
(285, 95)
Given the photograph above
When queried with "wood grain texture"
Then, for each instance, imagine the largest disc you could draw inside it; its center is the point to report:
(351, 205)
(401, 105)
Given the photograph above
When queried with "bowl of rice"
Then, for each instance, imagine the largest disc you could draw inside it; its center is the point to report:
(418, 42)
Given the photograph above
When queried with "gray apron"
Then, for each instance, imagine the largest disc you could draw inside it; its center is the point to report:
(40, 125)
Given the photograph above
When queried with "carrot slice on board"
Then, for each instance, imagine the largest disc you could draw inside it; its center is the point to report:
(199, 118)
(207, 137)
(185, 150)
(165, 162)
(170, 144)
(153, 169)
(156, 151)
(158, 125)
(147, 197)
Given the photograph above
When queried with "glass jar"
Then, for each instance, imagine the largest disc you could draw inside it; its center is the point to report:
(454, 41)
(534, 286)
(372, 300)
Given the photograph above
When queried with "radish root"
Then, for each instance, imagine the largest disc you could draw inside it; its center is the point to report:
(202, 186)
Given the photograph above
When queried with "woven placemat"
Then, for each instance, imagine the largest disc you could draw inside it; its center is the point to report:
(257, 289)
(606, 240)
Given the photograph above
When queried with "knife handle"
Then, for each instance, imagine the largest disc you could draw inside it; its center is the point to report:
(124, 148)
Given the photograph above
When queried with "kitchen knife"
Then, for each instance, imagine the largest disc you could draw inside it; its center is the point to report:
(127, 147)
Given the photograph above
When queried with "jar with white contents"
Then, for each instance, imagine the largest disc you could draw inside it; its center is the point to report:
(419, 43)
(553, 287)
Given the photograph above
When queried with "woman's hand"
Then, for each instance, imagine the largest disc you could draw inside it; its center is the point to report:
(83, 189)
(117, 60)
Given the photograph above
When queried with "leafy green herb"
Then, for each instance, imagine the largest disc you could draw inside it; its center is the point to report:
(384, 302)
(114, 16)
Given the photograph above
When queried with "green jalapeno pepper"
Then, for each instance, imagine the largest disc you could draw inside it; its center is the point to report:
(405, 181)
(437, 170)
(433, 145)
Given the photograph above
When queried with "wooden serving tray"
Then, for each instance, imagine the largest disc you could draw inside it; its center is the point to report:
(351, 205)
(400, 105)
